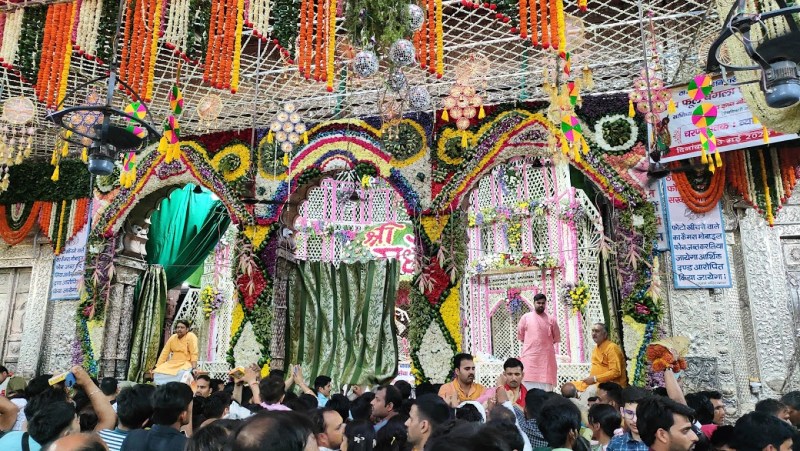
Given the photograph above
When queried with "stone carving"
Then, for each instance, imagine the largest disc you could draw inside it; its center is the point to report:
(701, 374)
(135, 238)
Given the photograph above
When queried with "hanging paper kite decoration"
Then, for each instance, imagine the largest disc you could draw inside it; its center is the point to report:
(573, 132)
(170, 139)
(703, 117)
(650, 95)
(286, 131)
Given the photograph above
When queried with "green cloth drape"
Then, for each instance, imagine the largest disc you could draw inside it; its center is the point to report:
(148, 322)
(183, 231)
(341, 321)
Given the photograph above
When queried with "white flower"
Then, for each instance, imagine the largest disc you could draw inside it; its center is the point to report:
(600, 139)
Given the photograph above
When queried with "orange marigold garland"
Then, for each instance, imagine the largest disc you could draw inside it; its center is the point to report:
(141, 31)
(56, 54)
(699, 201)
(662, 358)
(224, 43)
(317, 40)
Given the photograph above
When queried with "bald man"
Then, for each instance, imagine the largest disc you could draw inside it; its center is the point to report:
(78, 442)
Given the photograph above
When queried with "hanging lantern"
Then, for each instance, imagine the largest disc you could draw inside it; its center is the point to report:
(365, 64)
(462, 104)
(402, 53)
(287, 130)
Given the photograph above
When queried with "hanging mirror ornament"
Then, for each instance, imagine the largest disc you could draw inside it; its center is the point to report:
(208, 108)
(287, 130)
(16, 135)
(419, 98)
(416, 17)
(402, 53)
(397, 81)
(365, 64)
(462, 104)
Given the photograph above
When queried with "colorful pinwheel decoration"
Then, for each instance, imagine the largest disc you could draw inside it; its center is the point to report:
(571, 128)
(139, 111)
(462, 104)
(650, 100)
(702, 117)
(286, 131)
(170, 139)
(128, 174)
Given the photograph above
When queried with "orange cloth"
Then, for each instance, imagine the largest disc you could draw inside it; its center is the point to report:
(183, 352)
(475, 392)
(608, 365)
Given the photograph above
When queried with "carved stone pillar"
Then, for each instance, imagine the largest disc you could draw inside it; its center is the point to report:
(283, 269)
(120, 317)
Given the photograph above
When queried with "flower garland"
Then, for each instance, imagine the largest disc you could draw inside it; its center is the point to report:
(12, 30)
(55, 54)
(699, 201)
(140, 45)
(607, 125)
(514, 301)
(221, 68)
(179, 21)
(15, 228)
(643, 309)
(258, 18)
(87, 28)
(212, 300)
(30, 45)
(576, 297)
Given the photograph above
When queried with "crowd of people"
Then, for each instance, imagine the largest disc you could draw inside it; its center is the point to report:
(281, 412)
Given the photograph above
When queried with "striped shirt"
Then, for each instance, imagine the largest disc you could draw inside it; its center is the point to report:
(113, 438)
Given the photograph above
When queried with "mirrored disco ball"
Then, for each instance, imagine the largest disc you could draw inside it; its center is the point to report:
(402, 53)
(419, 98)
(397, 81)
(365, 64)
(416, 17)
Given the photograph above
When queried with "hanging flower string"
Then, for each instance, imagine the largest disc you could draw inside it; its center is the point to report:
(317, 44)
(223, 56)
(56, 54)
(699, 201)
(140, 45)
(170, 139)
(258, 18)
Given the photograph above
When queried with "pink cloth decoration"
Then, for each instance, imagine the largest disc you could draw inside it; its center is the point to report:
(539, 334)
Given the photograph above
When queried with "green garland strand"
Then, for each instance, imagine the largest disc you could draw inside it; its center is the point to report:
(107, 30)
(30, 42)
(285, 29)
(30, 181)
(197, 33)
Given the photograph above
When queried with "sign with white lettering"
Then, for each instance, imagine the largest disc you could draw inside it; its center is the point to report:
(68, 268)
(697, 243)
(734, 126)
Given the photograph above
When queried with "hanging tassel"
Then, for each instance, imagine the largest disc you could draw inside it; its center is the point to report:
(305, 138)
(85, 155)
(270, 137)
(54, 159)
(18, 160)
(717, 159)
(765, 134)
(286, 159)
(445, 116)
(671, 108)
(481, 113)
(464, 139)
(703, 154)
(65, 149)
(54, 177)
(564, 146)
(588, 81)
(631, 111)
(711, 167)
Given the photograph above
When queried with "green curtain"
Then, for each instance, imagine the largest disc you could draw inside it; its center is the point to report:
(183, 231)
(148, 322)
(341, 321)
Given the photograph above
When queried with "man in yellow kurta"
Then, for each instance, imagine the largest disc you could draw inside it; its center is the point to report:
(178, 356)
(608, 361)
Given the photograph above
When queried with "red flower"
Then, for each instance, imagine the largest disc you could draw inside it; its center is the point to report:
(251, 288)
(439, 281)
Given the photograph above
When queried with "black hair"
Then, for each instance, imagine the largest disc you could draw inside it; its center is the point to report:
(216, 404)
(507, 431)
(134, 405)
(3, 369)
(757, 430)
(317, 417)
(206, 378)
(272, 431)
(654, 413)
(724, 435)
(215, 383)
(46, 425)
(37, 385)
(792, 399)
(711, 394)
(272, 389)
(513, 363)
(185, 322)
(341, 404)
(321, 382)
(361, 407)
(43, 400)
(614, 391)
(169, 401)
(633, 395)
(533, 401)
(87, 419)
(661, 391)
(425, 387)
(108, 385)
(277, 373)
(460, 357)
(432, 409)
(308, 401)
(360, 436)
(606, 416)
(592, 399)
(391, 395)
(393, 436)
(703, 409)
(539, 296)
(469, 412)
(770, 406)
(198, 404)
(558, 417)
(211, 437)
(404, 387)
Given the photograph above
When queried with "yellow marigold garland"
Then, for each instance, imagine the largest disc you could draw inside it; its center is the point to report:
(331, 45)
(237, 318)
(439, 41)
(153, 50)
(237, 49)
(451, 315)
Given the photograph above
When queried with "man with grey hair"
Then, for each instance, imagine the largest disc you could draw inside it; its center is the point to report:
(608, 361)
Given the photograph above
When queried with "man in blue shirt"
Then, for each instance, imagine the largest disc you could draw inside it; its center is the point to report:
(322, 387)
(172, 409)
(630, 440)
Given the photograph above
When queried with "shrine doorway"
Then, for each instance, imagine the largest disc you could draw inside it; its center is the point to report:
(530, 231)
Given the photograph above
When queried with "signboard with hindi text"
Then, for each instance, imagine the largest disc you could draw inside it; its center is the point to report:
(389, 240)
(734, 126)
(68, 268)
(697, 243)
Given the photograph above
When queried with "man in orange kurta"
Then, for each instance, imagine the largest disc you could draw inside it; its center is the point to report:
(463, 387)
(608, 361)
(539, 334)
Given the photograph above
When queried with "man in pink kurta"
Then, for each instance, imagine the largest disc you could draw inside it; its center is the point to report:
(538, 333)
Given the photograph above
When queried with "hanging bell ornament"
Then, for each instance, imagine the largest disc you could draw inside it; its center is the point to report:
(365, 64)
(416, 17)
(402, 53)
(419, 98)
